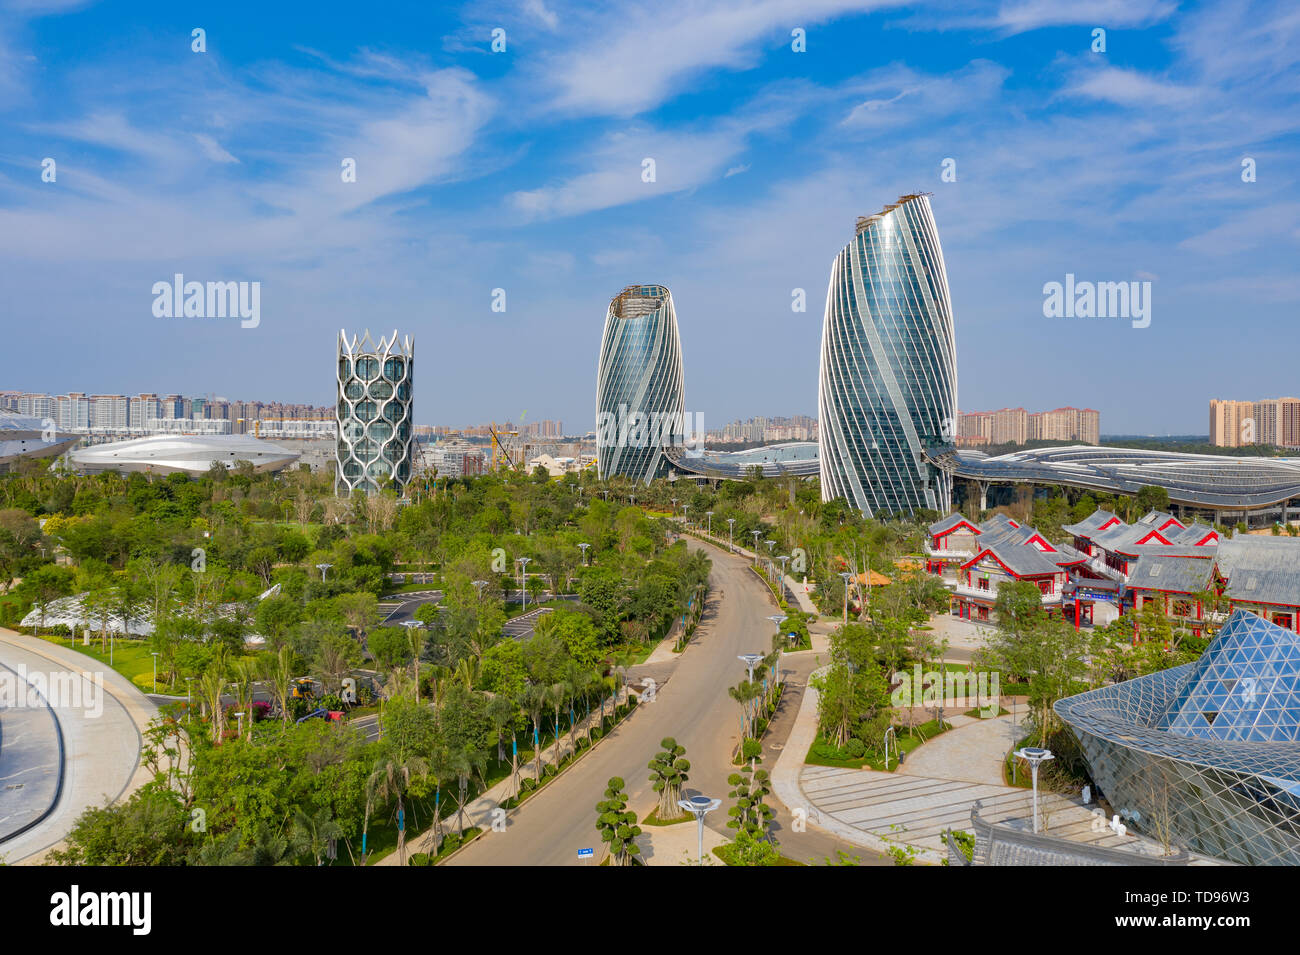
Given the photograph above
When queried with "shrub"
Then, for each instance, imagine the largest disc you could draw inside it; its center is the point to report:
(855, 749)
(751, 749)
(420, 858)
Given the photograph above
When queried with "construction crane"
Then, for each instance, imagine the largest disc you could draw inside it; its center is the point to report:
(503, 451)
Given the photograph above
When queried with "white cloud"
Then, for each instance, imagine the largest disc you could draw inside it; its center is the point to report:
(634, 57)
(213, 149)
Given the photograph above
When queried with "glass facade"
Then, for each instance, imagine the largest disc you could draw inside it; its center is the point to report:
(374, 413)
(888, 380)
(1206, 755)
(640, 396)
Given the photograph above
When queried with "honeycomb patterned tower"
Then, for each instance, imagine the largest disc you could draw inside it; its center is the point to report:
(374, 413)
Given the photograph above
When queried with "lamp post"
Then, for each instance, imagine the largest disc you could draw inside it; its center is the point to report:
(154, 654)
(755, 535)
(523, 588)
(846, 575)
(699, 807)
(478, 586)
(709, 515)
(731, 530)
(752, 660)
(770, 544)
(685, 521)
(1034, 755)
(322, 568)
(780, 587)
(189, 700)
(583, 547)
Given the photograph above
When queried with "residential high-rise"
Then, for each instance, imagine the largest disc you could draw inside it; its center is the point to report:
(640, 396)
(888, 381)
(374, 413)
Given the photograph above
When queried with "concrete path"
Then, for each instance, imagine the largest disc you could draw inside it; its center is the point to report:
(679, 844)
(101, 715)
(932, 791)
(973, 750)
(31, 754)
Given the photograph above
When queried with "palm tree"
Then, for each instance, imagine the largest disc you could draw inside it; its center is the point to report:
(312, 834)
(464, 763)
(745, 693)
(211, 685)
(392, 777)
(245, 672)
(534, 701)
(278, 672)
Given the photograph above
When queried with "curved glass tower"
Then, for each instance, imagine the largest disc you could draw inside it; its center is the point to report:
(640, 400)
(888, 381)
(374, 413)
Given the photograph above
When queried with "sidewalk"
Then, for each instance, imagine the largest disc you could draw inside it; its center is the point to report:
(101, 750)
(481, 811)
(934, 790)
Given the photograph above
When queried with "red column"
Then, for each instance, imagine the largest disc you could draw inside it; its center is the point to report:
(1077, 606)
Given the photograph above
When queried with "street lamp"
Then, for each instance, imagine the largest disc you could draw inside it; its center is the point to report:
(523, 589)
(1034, 755)
(699, 807)
(755, 535)
(479, 585)
(322, 568)
(751, 660)
(709, 515)
(583, 547)
(846, 575)
(154, 654)
(770, 544)
(781, 580)
(731, 529)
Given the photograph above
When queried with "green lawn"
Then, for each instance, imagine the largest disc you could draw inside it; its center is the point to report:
(906, 743)
(130, 658)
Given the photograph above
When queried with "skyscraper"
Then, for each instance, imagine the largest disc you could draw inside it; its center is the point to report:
(888, 381)
(374, 413)
(640, 400)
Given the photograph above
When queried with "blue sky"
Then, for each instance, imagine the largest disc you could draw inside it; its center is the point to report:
(522, 170)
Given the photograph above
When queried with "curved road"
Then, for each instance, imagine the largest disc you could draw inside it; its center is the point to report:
(100, 715)
(695, 708)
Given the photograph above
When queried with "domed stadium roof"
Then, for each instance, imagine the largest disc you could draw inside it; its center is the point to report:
(24, 436)
(188, 453)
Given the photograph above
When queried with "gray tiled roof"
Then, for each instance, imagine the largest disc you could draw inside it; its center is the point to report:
(949, 522)
(1158, 569)
(1263, 569)
(1026, 561)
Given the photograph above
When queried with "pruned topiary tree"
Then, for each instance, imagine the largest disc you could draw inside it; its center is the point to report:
(616, 825)
(668, 773)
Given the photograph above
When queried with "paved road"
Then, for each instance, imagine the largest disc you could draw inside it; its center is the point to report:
(100, 720)
(693, 706)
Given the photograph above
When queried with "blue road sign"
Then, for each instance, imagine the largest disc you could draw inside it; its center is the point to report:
(586, 853)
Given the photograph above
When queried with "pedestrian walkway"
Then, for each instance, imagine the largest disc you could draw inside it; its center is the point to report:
(678, 844)
(931, 792)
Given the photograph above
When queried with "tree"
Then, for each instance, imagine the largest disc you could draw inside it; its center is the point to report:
(312, 833)
(1152, 497)
(750, 814)
(668, 773)
(617, 826)
(277, 670)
